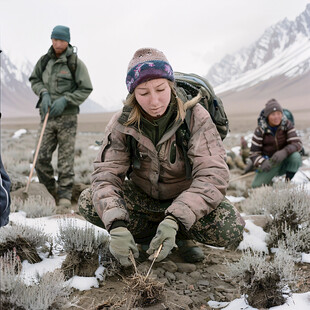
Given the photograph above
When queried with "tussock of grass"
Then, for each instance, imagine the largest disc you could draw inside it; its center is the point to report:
(49, 292)
(82, 245)
(144, 291)
(263, 279)
(34, 206)
(24, 240)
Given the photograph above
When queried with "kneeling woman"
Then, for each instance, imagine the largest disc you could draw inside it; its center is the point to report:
(159, 204)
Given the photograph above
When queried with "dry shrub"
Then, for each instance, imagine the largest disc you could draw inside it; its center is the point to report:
(263, 279)
(294, 242)
(24, 240)
(291, 218)
(49, 292)
(34, 206)
(144, 291)
(10, 265)
(258, 200)
(83, 246)
(286, 202)
(80, 263)
(240, 187)
(84, 239)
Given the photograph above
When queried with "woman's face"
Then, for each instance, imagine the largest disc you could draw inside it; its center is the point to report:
(154, 96)
(274, 118)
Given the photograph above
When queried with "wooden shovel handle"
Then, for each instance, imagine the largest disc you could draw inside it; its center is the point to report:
(37, 152)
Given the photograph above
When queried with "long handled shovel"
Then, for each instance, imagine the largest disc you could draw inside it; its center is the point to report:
(36, 153)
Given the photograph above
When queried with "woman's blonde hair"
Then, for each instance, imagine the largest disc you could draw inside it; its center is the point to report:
(136, 112)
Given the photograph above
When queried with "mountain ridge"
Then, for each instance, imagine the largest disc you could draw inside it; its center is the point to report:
(275, 41)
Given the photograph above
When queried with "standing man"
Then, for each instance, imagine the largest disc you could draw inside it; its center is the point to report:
(275, 146)
(62, 82)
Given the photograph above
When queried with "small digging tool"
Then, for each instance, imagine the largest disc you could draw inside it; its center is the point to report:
(153, 261)
(242, 176)
(36, 153)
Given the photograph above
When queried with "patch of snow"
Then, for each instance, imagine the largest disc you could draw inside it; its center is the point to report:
(30, 272)
(305, 258)
(254, 237)
(94, 147)
(234, 199)
(83, 283)
(99, 273)
(18, 133)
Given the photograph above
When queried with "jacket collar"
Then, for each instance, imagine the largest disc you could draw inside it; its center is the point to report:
(64, 55)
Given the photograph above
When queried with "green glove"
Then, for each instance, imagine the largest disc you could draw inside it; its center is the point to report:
(165, 235)
(58, 106)
(45, 103)
(121, 244)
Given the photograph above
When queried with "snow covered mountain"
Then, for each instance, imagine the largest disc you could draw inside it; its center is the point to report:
(17, 97)
(277, 64)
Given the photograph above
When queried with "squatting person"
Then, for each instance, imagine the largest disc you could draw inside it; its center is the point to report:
(275, 146)
(62, 82)
(158, 204)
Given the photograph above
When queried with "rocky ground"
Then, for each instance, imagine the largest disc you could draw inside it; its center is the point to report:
(186, 286)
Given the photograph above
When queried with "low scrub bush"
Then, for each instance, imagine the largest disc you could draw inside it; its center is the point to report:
(24, 239)
(49, 292)
(263, 280)
(34, 206)
(83, 246)
(83, 239)
(294, 241)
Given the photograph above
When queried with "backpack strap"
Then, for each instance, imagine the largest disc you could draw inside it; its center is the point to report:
(71, 62)
(46, 58)
(134, 154)
(182, 138)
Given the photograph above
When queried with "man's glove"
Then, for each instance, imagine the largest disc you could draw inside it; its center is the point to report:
(121, 244)
(279, 156)
(249, 167)
(266, 165)
(45, 103)
(58, 106)
(165, 235)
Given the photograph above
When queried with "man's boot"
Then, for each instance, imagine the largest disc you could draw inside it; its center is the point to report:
(189, 251)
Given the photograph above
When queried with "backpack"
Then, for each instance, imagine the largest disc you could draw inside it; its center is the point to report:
(71, 62)
(188, 86)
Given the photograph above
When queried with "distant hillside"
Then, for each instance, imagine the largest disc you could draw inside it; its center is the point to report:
(276, 65)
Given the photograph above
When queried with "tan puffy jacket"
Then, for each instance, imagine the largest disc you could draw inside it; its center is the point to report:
(157, 176)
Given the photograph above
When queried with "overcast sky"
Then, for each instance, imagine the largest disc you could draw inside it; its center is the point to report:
(193, 34)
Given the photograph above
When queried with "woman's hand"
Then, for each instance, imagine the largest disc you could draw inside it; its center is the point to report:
(121, 244)
(165, 235)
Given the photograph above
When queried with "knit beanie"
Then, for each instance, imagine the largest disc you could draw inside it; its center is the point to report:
(147, 64)
(271, 106)
(61, 33)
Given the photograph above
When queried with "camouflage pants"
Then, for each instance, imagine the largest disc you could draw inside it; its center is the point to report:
(60, 131)
(223, 227)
